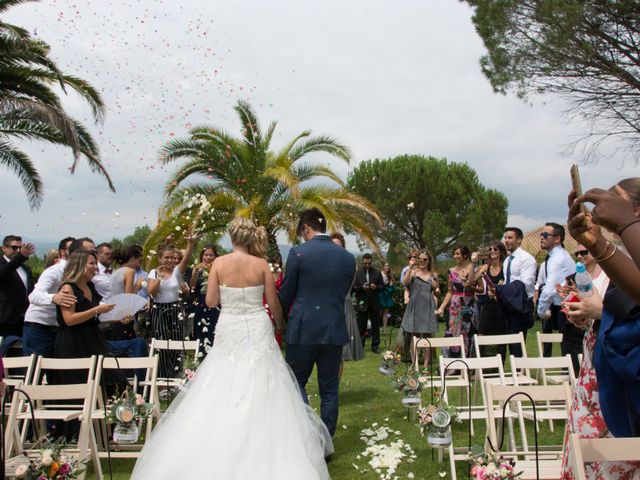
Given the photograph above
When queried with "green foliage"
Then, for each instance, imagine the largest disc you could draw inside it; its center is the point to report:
(430, 203)
(245, 177)
(138, 237)
(31, 110)
(585, 50)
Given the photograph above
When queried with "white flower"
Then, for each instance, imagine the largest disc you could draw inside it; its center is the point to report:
(410, 475)
(47, 459)
(178, 228)
(21, 471)
(410, 205)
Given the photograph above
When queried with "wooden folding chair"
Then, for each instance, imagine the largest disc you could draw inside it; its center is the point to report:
(16, 454)
(149, 394)
(542, 338)
(477, 366)
(453, 379)
(587, 450)
(549, 461)
(18, 370)
(561, 367)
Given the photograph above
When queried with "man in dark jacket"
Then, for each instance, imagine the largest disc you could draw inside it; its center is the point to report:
(367, 284)
(16, 282)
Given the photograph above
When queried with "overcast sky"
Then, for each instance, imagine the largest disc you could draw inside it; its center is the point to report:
(386, 78)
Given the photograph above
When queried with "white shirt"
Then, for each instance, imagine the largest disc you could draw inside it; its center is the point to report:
(102, 281)
(41, 307)
(559, 266)
(22, 273)
(169, 289)
(523, 268)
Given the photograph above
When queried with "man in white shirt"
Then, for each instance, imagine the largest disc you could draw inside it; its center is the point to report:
(557, 267)
(519, 265)
(102, 279)
(40, 323)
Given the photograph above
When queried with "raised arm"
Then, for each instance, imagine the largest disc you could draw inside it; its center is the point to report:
(191, 241)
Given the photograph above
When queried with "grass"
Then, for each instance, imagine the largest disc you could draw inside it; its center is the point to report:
(366, 397)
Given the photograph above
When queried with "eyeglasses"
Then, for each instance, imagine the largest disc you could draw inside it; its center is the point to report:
(15, 248)
(546, 235)
(494, 249)
(582, 253)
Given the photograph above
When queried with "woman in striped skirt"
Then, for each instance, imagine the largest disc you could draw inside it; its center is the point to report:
(164, 284)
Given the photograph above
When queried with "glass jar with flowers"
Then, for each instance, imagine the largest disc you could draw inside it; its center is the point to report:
(435, 421)
(126, 411)
(390, 360)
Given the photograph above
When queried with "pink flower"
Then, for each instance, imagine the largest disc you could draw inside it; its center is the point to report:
(139, 399)
(64, 469)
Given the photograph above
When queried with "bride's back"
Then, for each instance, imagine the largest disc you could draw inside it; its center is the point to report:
(239, 270)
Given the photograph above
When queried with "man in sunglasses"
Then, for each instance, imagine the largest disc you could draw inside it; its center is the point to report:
(16, 282)
(557, 267)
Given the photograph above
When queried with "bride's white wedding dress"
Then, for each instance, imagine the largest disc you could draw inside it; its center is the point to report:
(242, 416)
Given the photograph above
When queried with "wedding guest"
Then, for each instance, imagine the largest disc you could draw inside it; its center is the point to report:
(616, 356)
(40, 321)
(16, 283)
(78, 335)
(205, 319)
(63, 247)
(121, 337)
(412, 259)
(386, 294)
(102, 279)
(353, 349)
(368, 282)
(490, 275)
(419, 317)
(53, 257)
(164, 285)
(460, 298)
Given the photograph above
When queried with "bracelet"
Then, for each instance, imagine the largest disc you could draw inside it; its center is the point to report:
(627, 226)
(604, 257)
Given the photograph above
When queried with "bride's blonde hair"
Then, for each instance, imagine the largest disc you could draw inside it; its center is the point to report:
(244, 233)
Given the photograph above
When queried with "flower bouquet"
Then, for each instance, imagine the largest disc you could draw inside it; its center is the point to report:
(51, 464)
(189, 370)
(390, 360)
(492, 466)
(410, 385)
(435, 420)
(127, 411)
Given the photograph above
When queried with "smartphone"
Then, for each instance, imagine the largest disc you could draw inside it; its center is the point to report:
(577, 185)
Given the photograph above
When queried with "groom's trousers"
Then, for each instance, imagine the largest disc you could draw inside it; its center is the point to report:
(301, 359)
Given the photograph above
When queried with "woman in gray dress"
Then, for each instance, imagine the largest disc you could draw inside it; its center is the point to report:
(419, 317)
(353, 350)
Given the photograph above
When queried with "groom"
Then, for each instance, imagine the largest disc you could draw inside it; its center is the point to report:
(318, 276)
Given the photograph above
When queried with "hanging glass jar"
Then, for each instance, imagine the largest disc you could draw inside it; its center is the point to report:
(439, 435)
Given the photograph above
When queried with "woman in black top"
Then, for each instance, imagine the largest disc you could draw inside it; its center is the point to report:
(488, 276)
(78, 335)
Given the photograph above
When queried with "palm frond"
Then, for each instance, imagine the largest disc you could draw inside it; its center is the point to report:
(250, 125)
(323, 143)
(20, 163)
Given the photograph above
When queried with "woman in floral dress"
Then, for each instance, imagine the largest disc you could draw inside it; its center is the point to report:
(460, 299)
(585, 417)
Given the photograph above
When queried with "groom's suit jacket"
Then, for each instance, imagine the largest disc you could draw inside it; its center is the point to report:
(13, 293)
(317, 278)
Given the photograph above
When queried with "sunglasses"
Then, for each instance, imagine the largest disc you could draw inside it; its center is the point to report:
(582, 253)
(423, 259)
(15, 248)
(494, 249)
(546, 235)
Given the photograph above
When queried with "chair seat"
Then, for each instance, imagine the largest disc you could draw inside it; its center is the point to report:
(481, 413)
(549, 469)
(46, 414)
(560, 414)
(522, 380)
(558, 379)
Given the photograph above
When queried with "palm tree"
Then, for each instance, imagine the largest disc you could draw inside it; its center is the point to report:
(245, 177)
(31, 110)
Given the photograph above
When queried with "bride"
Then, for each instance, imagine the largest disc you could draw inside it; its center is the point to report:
(242, 415)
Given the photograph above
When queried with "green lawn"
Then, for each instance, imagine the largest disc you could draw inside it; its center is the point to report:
(366, 397)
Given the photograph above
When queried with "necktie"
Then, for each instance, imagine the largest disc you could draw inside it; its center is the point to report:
(509, 269)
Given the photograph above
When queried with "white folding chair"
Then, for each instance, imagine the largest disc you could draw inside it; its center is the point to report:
(440, 343)
(477, 366)
(542, 338)
(561, 368)
(149, 394)
(18, 370)
(505, 341)
(187, 347)
(16, 454)
(549, 461)
(588, 450)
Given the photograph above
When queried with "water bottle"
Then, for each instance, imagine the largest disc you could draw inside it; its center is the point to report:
(583, 281)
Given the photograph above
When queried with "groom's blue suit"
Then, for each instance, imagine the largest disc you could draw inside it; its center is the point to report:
(318, 277)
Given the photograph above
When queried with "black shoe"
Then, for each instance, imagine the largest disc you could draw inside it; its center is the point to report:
(375, 349)
(328, 458)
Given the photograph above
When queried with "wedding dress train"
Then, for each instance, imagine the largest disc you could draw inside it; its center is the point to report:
(242, 416)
